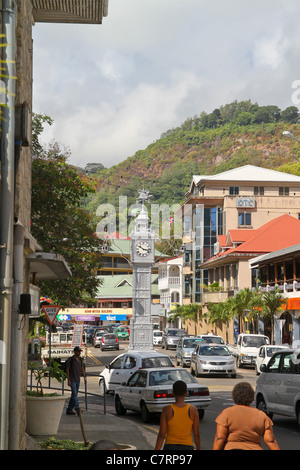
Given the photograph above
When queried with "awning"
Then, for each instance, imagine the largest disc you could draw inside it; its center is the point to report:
(48, 266)
(70, 11)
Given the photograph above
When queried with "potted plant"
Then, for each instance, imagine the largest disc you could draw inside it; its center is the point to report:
(43, 411)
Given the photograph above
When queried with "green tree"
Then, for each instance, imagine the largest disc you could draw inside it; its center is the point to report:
(273, 302)
(60, 224)
(187, 312)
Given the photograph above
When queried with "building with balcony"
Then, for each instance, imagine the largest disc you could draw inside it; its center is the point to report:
(281, 269)
(170, 284)
(242, 199)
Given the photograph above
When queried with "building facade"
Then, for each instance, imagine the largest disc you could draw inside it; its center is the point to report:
(22, 261)
(243, 198)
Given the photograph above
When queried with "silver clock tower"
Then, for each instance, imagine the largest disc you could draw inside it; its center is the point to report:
(142, 260)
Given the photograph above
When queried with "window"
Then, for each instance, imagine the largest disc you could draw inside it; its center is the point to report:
(130, 362)
(244, 218)
(259, 190)
(273, 365)
(234, 190)
(284, 191)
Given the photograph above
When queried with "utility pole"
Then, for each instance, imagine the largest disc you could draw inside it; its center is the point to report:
(8, 13)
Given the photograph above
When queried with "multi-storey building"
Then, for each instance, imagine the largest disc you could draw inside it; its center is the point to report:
(241, 198)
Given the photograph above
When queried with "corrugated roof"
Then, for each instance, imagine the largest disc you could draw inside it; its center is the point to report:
(120, 286)
(69, 11)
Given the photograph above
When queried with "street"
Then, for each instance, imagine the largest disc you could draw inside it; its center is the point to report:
(285, 429)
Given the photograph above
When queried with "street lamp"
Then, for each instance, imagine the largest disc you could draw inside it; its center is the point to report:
(289, 134)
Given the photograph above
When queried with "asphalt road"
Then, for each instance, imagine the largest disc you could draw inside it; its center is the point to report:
(285, 429)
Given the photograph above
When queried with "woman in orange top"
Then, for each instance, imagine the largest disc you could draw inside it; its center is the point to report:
(179, 422)
(241, 427)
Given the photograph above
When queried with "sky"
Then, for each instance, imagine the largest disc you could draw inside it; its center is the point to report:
(113, 89)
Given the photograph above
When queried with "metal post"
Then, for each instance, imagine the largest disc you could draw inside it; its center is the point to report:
(7, 209)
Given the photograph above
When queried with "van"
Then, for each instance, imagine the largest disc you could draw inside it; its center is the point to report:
(278, 387)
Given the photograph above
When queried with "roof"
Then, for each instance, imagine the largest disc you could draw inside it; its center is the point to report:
(120, 286)
(248, 173)
(70, 11)
(284, 252)
(279, 233)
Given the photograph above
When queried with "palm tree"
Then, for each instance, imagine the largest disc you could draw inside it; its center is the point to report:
(187, 312)
(272, 303)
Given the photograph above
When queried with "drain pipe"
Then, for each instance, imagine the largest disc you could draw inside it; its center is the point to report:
(7, 210)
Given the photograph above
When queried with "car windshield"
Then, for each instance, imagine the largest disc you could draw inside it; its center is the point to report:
(254, 341)
(149, 362)
(168, 377)
(213, 339)
(157, 333)
(190, 342)
(210, 350)
(176, 332)
(271, 351)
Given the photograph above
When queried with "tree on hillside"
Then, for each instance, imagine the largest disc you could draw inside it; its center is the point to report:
(60, 224)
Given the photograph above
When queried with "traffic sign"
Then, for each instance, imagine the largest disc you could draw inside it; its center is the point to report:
(63, 317)
(51, 311)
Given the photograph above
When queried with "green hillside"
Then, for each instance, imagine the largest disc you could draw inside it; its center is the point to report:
(236, 134)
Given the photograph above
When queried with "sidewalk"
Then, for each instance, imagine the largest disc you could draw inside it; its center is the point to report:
(98, 426)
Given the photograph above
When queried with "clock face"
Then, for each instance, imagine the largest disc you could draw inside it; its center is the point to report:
(143, 248)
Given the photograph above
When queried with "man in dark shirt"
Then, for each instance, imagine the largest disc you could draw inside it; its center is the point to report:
(74, 369)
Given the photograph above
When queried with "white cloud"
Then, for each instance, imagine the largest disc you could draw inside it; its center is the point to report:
(113, 89)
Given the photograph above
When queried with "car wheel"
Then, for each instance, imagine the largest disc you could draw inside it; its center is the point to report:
(120, 410)
(261, 405)
(201, 414)
(146, 415)
(102, 387)
(239, 364)
(192, 370)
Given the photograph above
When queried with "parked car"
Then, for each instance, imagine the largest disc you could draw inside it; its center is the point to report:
(121, 333)
(278, 387)
(97, 338)
(185, 347)
(171, 337)
(109, 341)
(212, 359)
(124, 365)
(265, 353)
(149, 390)
(157, 337)
(212, 339)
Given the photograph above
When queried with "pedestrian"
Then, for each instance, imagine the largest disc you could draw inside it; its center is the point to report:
(241, 427)
(179, 422)
(74, 369)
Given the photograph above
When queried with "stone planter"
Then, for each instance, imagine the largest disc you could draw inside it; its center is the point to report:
(43, 415)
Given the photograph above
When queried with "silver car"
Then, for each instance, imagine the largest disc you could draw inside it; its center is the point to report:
(212, 359)
(149, 390)
(278, 387)
(185, 347)
(171, 337)
(109, 341)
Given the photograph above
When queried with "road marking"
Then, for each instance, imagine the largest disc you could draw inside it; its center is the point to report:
(94, 359)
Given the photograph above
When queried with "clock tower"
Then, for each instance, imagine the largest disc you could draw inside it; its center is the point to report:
(142, 260)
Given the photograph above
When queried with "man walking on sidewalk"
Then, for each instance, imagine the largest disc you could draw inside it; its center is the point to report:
(74, 370)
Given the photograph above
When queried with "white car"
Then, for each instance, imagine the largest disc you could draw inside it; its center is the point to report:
(157, 337)
(149, 390)
(265, 353)
(212, 339)
(212, 359)
(278, 388)
(123, 367)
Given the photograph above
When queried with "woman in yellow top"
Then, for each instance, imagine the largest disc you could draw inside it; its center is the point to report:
(179, 422)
